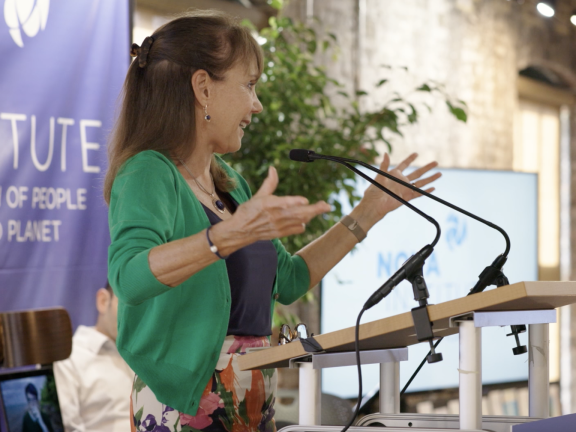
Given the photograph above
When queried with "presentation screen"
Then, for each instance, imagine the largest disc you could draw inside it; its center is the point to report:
(466, 247)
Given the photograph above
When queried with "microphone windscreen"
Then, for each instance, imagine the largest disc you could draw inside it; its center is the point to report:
(300, 155)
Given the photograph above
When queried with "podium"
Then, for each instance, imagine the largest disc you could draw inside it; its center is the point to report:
(533, 303)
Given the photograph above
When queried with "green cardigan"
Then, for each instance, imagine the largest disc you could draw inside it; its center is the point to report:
(171, 337)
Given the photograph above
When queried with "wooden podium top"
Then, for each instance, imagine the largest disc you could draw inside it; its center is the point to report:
(398, 331)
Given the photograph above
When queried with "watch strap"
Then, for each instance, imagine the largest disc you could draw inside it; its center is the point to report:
(354, 228)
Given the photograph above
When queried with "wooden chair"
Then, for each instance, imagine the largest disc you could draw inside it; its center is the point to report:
(40, 336)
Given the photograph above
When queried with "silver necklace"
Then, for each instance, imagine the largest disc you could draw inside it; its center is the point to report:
(216, 202)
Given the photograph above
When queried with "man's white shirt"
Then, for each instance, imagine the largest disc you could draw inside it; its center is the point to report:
(94, 385)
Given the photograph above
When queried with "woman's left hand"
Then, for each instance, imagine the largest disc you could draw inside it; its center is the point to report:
(376, 204)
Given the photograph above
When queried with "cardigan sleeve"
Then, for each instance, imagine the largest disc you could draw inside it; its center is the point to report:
(141, 216)
(293, 275)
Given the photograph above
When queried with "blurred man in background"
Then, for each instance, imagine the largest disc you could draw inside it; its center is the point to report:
(94, 383)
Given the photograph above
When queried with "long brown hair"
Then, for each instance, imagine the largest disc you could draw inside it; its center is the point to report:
(157, 110)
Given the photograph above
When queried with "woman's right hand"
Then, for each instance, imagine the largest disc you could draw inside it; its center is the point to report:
(266, 216)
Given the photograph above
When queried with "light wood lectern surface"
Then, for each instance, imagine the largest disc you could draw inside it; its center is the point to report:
(398, 331)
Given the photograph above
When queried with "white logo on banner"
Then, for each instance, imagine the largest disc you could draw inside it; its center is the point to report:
(29, 16)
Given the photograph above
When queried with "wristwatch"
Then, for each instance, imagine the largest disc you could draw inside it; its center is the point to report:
(354, 228)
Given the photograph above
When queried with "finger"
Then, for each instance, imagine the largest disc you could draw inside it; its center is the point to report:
(384, 166)
(423, 182)
(292, 230)
(270, 183)
(291, 225)
(273, 202)
(300, 214)
(305, 213)
(282, 230)
(385, 162)
(429, 190)
(406, 162)
(421, 171)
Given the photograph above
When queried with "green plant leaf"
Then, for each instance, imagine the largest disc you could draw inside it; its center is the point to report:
(300, 112)
(457, 112)
(276, 4)
(139, 385)
(247, 23)
(138, 415)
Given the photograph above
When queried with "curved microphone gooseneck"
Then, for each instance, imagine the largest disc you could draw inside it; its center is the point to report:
(491, 275)
(310, 156)
(410, 270)
(393, 195)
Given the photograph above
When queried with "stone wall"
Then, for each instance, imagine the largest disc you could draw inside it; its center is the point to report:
(476, 49)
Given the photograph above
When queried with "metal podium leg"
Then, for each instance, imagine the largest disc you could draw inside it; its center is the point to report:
(309, 394)
(470, 372)
(390, 388)
(538, 371)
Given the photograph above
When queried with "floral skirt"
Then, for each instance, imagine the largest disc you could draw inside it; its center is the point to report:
(233, 400)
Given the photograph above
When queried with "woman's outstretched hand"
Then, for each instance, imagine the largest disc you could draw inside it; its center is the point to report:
(376, 204)
(263, 217)
(267, 216)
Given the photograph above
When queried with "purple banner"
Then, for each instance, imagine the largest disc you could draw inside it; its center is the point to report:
(62, 65)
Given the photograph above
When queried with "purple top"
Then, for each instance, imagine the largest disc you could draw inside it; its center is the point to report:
(251, 271)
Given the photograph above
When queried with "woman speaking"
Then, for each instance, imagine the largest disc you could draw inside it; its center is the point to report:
(195, 259)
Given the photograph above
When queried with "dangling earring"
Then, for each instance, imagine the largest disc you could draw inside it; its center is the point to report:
(206, 116)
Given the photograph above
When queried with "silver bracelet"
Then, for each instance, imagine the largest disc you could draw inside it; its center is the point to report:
(213, 247)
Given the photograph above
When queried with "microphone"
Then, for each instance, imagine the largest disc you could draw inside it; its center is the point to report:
(411, 270)
(300, 155)
(412, 264)
(491, 275)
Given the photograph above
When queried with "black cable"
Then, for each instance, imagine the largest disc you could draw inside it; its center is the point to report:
(392, 194)
(344, 162)
(433, 221)
(422, 363)
(357, 348)
(423, 192)
(419, 367)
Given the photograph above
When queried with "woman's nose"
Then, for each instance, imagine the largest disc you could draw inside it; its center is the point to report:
(257, 106)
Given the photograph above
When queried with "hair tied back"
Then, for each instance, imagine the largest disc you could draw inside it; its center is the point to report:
(142, 51)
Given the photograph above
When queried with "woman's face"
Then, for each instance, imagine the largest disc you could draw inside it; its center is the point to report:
(231, 105)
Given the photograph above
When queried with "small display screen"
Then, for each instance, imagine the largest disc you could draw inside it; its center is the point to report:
(508, 199)
(30, 401)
